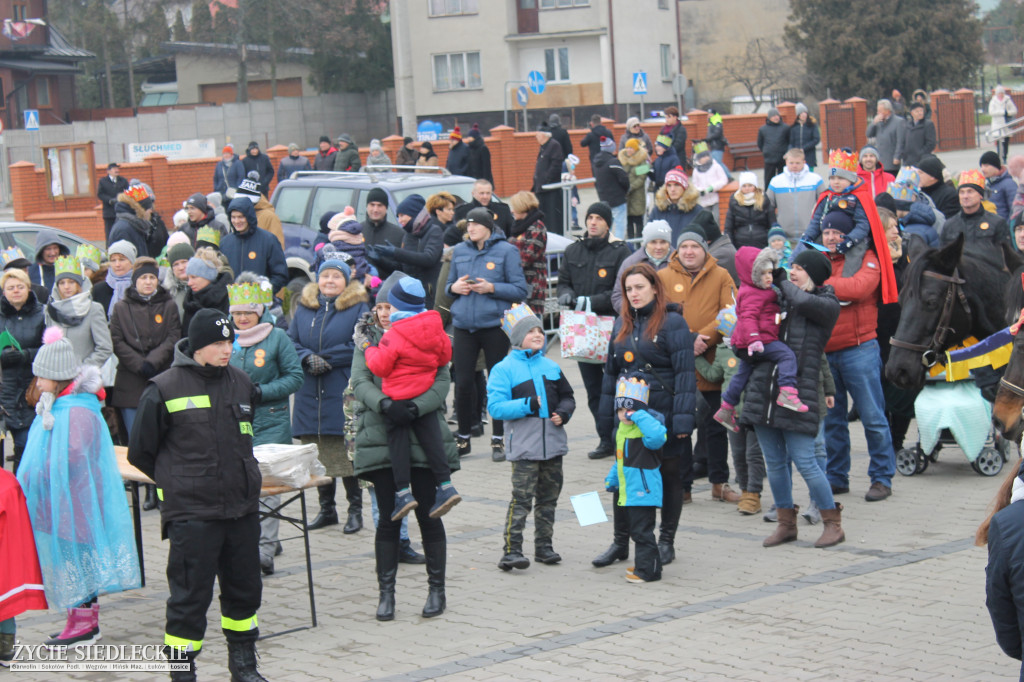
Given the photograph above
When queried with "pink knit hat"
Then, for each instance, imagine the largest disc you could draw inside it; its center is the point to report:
(678, 176)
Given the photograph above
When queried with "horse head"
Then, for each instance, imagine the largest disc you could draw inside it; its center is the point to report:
(1009, 402)
(935, 313)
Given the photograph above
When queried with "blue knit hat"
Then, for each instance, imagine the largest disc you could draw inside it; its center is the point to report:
(777, 232)
(336, 264)
(407, 295)
(411, 205)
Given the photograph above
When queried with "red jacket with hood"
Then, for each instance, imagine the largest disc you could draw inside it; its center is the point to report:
(877, 181)
(409, 355)
(757, 308)
(859, 296)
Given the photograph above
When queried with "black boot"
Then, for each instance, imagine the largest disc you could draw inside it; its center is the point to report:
(437, 555)
(408, 555)
(151, 499)
(182, 675)
(328, 515)
(387, 569)
(619, 551)
(242, 662)
(354, 495)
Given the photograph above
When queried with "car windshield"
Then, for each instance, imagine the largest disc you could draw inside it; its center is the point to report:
(463, 190)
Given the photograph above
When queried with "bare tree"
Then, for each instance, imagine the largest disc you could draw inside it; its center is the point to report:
(763, 66)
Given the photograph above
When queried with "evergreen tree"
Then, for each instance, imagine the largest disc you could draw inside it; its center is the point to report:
(180, 32)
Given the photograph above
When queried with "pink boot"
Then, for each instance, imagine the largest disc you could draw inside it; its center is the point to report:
(82, 627)
(789, 399)
(726, 416)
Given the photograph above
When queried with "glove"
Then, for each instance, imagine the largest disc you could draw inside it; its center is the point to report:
(779, 276)
(845, 245)
(316, 365)
(565, 300)
(535, 405)
(148, 370)
(12, 357)
(386, 250)
(361, 334)
(402, 411)
(756, 347)
(612, 489)
(706, 191)
(257, 394)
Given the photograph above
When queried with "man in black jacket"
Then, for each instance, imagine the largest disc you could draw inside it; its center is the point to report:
(108, 189)
(920, 136)
(560, 134)
(612, 183)
(193, 436)
(589, 268)
(592, 140)
(255, 160)
(483, 197)
(549, 170)
(376, 228)
(942, 193)
(773, 141)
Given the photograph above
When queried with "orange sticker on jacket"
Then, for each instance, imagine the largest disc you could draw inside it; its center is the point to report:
(628, 356)
(842, 203)
(602, 273)
(260, 352)
(490, 265)
(983, 226)
(679, 288)
(252, 255)
(259, 362)
(159, 318)
(731, 362)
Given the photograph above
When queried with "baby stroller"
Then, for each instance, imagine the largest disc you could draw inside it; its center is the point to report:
(954, 413)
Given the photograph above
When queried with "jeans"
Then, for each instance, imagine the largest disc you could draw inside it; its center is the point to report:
(857, 371)
(747, 460)
(776, 352)
(782, 448)
(619, 221)
(719, 156)
(128, 414)
(592, 374)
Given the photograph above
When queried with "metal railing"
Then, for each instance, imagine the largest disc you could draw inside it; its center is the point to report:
(369, 170)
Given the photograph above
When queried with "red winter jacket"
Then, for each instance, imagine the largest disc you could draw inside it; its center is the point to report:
(757, 309)
(409, 354)
(858, 296)
(877, 181)
(21, 582)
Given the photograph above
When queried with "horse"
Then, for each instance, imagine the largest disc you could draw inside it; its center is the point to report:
(1009, 402)
(949, 294)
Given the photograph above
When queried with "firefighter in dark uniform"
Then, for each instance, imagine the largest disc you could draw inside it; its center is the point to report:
(193, 436)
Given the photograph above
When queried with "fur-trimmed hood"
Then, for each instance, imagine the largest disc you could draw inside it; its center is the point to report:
(353, 294)
(767, 258)
(686, 203)
(140, 212)
(638, 158)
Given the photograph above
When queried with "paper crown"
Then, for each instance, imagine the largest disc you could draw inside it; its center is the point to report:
(633, 388)
(137, 193)
(11, 254)
(250, 294)
(909, 175)
(513, 315)
(89, 252)
(67, 264)
(901, 192)
(843, 159)
(210, 235)
(161, 260)
(700, 148)
(664, 140)
(726, 320)
(974, 177)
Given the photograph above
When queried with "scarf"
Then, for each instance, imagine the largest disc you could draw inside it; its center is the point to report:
(250, 337)
(119, 285)
(520, 226)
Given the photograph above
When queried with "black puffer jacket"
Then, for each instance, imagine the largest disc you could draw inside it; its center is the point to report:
(25, 325)
(809, 318)
(749, 225)
(773, 141)
(215, 295)
(667, 363)
(610, 179)
(420, 255)
(589, 268)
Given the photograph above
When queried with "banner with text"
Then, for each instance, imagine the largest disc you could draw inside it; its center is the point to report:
(174, 150)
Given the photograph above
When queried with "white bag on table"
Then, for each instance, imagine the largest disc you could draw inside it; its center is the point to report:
(288, 465)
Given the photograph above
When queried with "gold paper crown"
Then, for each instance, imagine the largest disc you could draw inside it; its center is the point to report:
(89, 252)
(634, 388)
(208, 234)
(11, 254)
(843, 159)
(67, 264)
(699, 148)
(513, 315)
(137, 193)
(973, 177)
(250, 294)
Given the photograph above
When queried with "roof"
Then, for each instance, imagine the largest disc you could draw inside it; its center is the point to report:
(38, 65)
(60, 48)
(231, 50)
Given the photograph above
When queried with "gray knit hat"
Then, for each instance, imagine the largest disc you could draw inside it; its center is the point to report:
(693, 237)
(656, 229)
(200, 268)
(56, 358)
(125, 248)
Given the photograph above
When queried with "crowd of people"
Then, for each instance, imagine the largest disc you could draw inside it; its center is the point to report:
(747, 337)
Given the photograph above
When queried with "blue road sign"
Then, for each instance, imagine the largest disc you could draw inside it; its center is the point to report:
(522, 95)
(31, 119)
(640, 83)
(537, 82)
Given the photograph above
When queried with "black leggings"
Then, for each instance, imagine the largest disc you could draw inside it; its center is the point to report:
(423, 489)
(465, 350)
(428, 433)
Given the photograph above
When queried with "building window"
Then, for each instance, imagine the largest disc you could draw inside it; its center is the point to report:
(19, 12)
(563, 4)
(42, 91)
(457, 71)
(69, 170)
(450, 8)
(556, 64)
(662, 4)
(666, 62)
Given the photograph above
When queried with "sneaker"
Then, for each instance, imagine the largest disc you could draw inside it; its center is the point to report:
(603, 449)
(840, 489)
(811, 514)
(267, 565)
(789, 399)
(546, 555)
(454, 419)
(772, 515)
(446, 498)
(462, 445)
(408, 555)
(476, 431)
(404, 503)
(726, 416)
(878, 492)
(632, 577)
(497, 450)
(513, 559)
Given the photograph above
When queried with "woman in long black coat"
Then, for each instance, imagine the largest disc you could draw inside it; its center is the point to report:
(21, 315)
(652, 338)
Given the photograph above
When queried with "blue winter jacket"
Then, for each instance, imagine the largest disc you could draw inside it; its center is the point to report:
(662, 165)
(499, 263)
(636, 472)
(223, 178)
(1004, 579)
(511, 386)
(920, 220)
(254, 250)
(324, 326)
(458, 159)
(1001, 191)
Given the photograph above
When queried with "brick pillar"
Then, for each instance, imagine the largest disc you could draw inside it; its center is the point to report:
(161, 181)
(392, 144)
(697, 125)
(940, 100)
(500, 143)
(860, 121)
(826, 108)
(788, 112)
(25, 193)
(276, 153)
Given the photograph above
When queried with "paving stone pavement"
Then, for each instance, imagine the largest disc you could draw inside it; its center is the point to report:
(901, 599)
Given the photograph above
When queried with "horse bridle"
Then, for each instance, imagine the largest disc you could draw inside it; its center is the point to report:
(954, 293)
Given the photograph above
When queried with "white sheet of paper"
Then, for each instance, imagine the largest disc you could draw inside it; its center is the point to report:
(588, 508)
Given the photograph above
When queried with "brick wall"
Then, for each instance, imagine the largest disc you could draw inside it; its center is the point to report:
(953, 116)
(513, 156)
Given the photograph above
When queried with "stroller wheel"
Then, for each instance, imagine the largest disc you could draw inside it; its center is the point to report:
(906, 462)
(922, 459)
(989, 462)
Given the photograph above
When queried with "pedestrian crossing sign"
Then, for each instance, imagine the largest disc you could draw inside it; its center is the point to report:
(31, 119)
(640, 83)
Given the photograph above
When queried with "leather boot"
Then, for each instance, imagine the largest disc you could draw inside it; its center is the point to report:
(833, 533)
(328, 515)
(437, 556)
(176, 657)
(723, 493)
(242, 662)
(619, 551)
(151, 499)
(786, 531)
(387, 569)
(354, 495)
